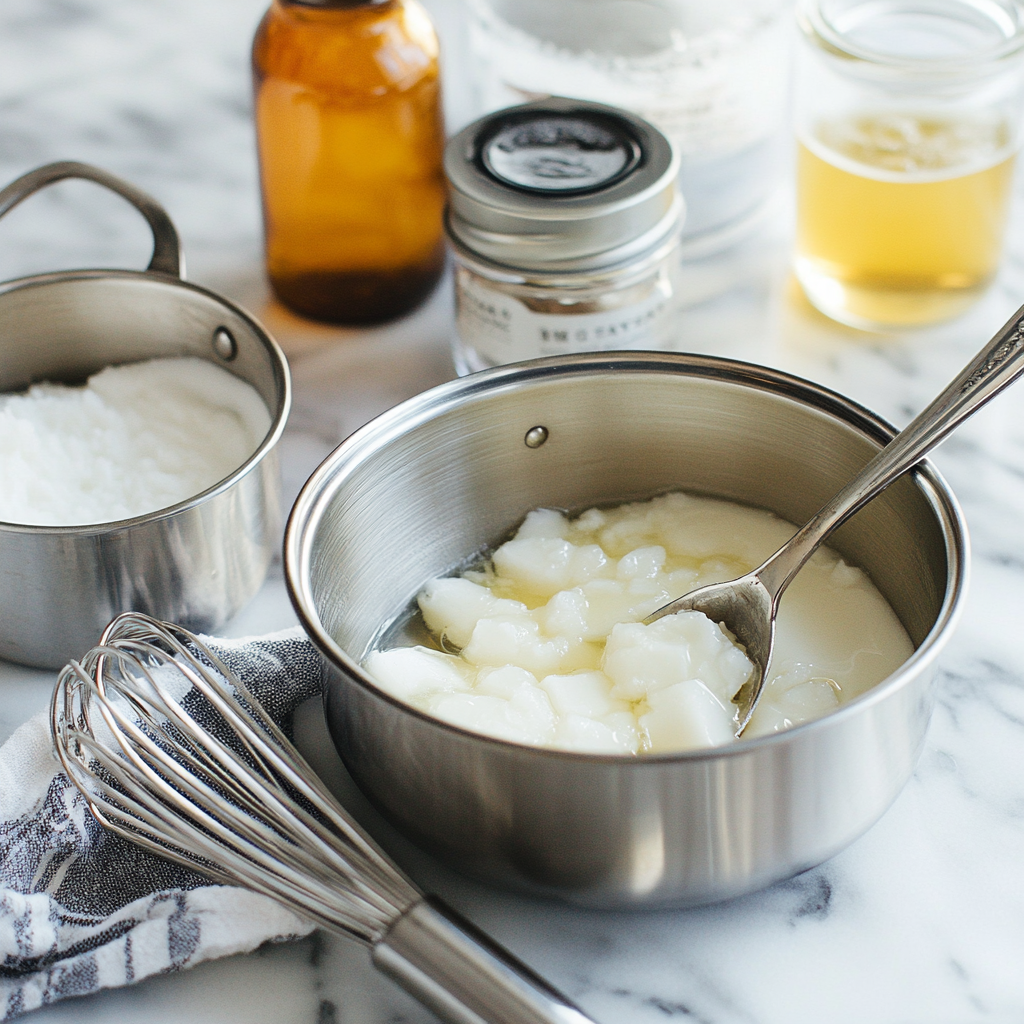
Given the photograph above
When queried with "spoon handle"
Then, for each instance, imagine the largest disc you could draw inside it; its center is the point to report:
(996, 367)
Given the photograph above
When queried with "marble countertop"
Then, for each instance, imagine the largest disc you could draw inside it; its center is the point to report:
(919, 922)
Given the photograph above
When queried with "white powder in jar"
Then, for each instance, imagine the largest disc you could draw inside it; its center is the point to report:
(551, 649)
(136, 438)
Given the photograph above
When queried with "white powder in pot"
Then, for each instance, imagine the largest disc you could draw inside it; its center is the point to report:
(136, 438)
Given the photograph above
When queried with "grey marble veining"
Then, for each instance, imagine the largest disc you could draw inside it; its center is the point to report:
(919, 922)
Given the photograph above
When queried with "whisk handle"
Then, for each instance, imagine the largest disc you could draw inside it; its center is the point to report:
(462, 975)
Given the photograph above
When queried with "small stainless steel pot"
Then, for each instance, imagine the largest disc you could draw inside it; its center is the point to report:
(196, 562)
(452, 471)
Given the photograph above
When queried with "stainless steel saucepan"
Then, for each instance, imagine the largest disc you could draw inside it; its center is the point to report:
(445, 474)
(195, 563)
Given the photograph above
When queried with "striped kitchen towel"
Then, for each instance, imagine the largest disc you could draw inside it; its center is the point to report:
(82, 909)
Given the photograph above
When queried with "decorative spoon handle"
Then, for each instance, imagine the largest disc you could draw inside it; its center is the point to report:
(996, 367)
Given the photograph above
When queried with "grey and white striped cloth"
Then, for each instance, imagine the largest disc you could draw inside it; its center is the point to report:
(83, 910)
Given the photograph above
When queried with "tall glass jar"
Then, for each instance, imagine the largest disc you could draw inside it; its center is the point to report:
(564, 218)
(712, 75)
(350, 137)
(909, 119)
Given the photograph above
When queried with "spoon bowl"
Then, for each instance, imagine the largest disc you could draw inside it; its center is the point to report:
(746, 608)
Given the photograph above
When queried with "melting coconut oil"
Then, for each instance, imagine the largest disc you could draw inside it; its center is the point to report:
(543, 642)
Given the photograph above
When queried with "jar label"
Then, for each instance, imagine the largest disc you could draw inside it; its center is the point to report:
(503, 329)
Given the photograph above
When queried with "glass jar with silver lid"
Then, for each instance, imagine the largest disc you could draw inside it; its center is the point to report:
(565, 218)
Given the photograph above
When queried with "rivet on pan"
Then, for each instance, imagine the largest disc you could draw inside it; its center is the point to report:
(224, 344)
(536, 436)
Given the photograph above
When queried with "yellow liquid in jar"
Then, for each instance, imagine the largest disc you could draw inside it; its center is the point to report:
(901, 218)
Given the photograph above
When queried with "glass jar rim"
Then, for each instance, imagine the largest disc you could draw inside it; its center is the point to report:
(1007, 16)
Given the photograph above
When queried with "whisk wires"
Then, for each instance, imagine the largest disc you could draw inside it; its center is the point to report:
(173, 752)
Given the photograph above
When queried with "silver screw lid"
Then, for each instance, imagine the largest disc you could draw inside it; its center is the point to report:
(561, 185)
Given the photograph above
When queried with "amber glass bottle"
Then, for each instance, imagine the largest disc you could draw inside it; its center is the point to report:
(350, 137)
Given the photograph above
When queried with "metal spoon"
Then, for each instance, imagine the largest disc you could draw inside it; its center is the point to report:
(747, 606)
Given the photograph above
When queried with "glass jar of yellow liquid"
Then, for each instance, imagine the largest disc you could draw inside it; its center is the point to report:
(908, 124)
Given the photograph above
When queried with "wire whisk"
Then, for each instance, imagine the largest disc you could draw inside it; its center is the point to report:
(172, 752)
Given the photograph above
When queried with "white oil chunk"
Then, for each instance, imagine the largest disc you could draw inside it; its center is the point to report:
(136, 438)
(640, 660)
(554, 652)
(452, 607)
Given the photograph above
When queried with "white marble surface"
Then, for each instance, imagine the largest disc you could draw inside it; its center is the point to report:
(919, 922)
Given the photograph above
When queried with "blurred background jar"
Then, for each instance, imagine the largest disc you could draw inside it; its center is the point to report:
(564, 218)
(350, 137)
(713, 76)
(908, 119)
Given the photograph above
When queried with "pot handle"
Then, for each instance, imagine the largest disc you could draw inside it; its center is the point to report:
(166, 247)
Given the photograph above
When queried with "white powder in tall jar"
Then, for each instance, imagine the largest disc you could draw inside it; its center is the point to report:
(136, 438)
